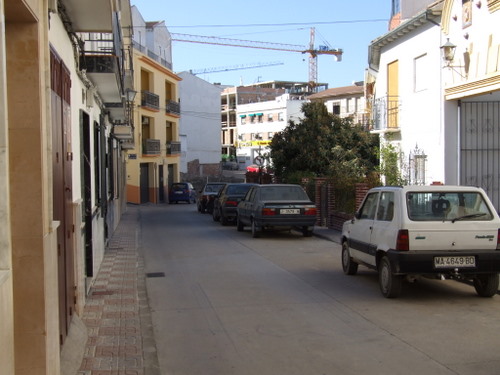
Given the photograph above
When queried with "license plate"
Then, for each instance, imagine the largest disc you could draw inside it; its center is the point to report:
(290, 211)
(178, 192)
(457, 261)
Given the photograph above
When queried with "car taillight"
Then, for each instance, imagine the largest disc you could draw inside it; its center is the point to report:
(268, 211)
(231, 203)
(498, 240)
(311, 211)
(403, 241)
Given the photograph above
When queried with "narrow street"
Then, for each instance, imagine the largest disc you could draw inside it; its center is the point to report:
(225, 303)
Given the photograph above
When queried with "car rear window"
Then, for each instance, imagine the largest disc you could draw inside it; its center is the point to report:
(283, 193)
(179, 186)
(213, 188)
(447, 206)
(238, 189)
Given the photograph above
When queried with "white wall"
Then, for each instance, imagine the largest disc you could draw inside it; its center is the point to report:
(421, 108)
(200, 120)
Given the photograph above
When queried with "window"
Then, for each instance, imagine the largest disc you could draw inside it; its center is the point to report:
(447, 205)
(367, 211)
(270, 117)
(336, 108)
(281, 117)
(386, 207)
(421, 72)
(270, 135)
(259, 117)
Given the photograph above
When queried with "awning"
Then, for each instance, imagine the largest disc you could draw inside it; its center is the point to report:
(243, 115)
(251, 114)
(259, 114)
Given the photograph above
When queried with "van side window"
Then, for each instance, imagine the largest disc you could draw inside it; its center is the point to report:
(367, 211)
(386, 207)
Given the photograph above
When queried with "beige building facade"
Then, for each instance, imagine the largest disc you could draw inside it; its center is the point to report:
(153, 163)
(60, 199)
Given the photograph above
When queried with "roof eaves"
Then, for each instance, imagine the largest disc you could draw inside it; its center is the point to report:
(431, 14)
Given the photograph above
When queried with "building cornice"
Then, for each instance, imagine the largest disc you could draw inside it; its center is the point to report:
(157, 66)
(493, 5)
(473, 88)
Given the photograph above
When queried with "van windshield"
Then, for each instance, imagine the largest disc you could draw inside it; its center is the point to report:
(447, 206)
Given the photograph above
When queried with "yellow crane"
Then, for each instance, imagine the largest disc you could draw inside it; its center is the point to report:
(311, 50)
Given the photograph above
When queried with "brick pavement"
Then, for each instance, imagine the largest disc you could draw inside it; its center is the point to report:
(120, 334)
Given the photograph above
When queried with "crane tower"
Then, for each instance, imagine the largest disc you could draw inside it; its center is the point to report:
(311, 50)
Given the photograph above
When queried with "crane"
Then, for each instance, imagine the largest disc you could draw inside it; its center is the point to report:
(235, 67)
(311, 50)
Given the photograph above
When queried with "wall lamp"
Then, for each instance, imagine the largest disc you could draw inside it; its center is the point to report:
(130, 95)
(448, 51)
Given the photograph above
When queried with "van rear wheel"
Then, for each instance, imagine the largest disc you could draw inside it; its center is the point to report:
(390, 284)
(486, 285)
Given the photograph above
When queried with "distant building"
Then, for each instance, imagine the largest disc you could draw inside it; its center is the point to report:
(347, 101)
(233, 97)
(199, 127)
(258, 122)
(154, 159)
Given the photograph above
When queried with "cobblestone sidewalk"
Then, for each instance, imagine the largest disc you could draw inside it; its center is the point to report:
(120, 335)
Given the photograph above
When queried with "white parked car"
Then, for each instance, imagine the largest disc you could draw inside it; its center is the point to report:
(437, 231)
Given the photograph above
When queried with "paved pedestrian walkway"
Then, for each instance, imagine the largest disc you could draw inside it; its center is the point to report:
(117, 315)
(120, 335)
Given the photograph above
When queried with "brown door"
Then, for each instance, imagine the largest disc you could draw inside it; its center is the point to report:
(62, 192)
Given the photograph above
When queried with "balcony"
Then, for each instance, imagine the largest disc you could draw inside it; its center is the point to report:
(108, 64)
(151, 147)
(173, 148)
(128, 145)
(150, 100)
(386, 114)
(123, 132)
(172, 107)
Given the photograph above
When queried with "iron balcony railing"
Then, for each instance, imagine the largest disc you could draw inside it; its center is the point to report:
(173, 107)
(150, 100)
(151, 147)
(173, 148)
(386, 113)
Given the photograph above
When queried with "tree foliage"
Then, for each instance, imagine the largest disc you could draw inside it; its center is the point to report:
(323, 144)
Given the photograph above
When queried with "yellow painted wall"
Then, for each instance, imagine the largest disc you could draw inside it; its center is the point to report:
(157, 79)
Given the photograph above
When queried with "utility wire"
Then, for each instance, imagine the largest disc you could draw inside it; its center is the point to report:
(287, 23)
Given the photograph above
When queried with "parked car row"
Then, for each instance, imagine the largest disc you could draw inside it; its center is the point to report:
(262, 207)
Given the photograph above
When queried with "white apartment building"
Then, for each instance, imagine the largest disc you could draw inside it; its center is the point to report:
(199, 126)
(258, 122)
(407, 103)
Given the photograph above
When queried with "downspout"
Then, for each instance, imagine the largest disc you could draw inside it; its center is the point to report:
(429, 18)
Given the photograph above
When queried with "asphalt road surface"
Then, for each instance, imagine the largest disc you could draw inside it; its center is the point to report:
(224, 303)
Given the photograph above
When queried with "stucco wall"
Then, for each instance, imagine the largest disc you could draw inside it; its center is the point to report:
(420, 108)
(200, 123)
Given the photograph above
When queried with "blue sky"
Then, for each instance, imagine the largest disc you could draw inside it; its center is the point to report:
(347, 25)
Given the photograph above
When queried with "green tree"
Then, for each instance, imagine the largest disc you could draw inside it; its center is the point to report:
(390, 160)
(323, 144)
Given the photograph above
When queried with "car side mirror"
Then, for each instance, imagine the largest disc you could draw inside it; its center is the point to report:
(357, 215)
